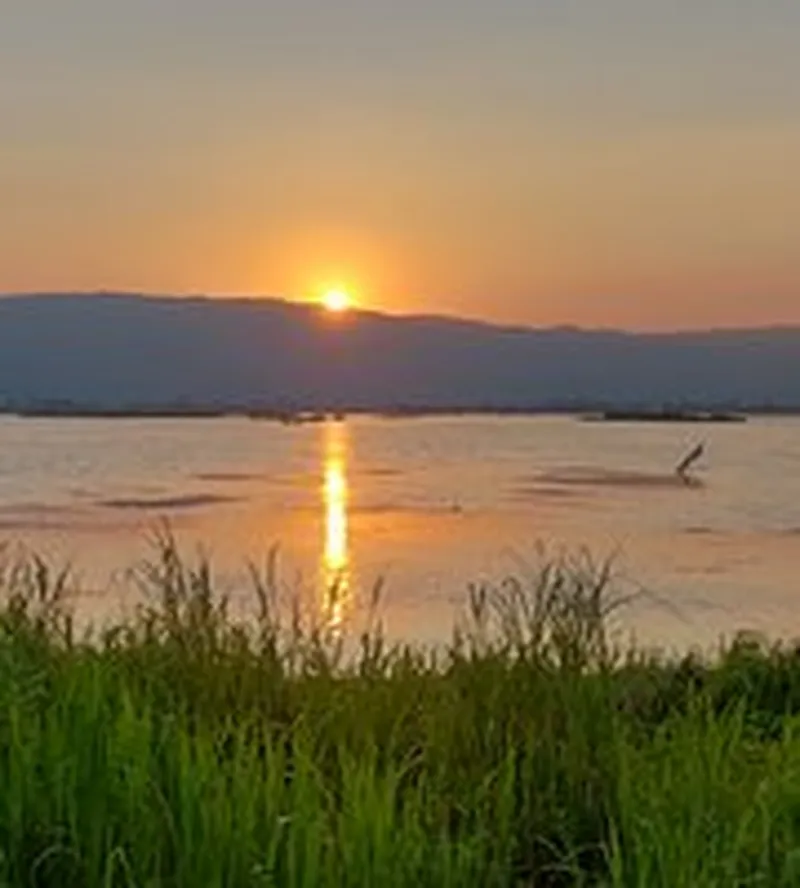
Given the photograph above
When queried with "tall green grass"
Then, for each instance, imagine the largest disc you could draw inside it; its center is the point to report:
(184, 749)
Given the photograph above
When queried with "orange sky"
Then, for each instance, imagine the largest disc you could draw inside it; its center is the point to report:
(533, 164)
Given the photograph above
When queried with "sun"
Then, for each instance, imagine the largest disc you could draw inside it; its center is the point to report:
(336, 300)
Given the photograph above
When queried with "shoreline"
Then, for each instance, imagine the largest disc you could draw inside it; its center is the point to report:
(302, 416)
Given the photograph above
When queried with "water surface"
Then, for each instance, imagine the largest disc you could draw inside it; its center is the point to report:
(426, 504)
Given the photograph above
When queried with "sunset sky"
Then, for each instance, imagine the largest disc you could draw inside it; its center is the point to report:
(597, 162)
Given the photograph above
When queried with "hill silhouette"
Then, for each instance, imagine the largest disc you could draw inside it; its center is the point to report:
(115, 350)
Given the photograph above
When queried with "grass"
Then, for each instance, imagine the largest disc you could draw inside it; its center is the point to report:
(182, 749)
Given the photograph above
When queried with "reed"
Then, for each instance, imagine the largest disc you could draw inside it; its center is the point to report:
(184, 748)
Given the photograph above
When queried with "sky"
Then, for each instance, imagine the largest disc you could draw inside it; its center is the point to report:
(628, 163)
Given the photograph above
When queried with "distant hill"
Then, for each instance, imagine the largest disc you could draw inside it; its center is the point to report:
(107, 350)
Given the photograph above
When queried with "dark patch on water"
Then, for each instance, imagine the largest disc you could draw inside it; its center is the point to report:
(226, 476)
(187, 501)
(409, 509)
(586, 476)
(699, 530)
(536, 491)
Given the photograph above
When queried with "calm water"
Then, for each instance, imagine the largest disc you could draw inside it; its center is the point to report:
(426, 504)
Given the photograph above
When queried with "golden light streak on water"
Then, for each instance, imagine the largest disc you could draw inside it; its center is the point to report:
(336, 554)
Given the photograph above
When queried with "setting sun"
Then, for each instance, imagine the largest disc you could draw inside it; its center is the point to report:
(337, 300)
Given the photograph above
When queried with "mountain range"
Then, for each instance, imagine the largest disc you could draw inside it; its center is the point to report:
(120, 350)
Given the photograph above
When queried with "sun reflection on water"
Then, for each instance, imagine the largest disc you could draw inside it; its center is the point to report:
(336, 555)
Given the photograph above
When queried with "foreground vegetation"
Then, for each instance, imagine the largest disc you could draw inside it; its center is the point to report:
(184, 750)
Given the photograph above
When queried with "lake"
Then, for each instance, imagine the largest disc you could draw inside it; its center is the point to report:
(428, 506)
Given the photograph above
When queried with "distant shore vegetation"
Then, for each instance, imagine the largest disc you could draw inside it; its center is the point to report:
(298, 415)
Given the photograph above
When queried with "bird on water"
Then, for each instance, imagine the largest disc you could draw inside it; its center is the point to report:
(690, 459)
